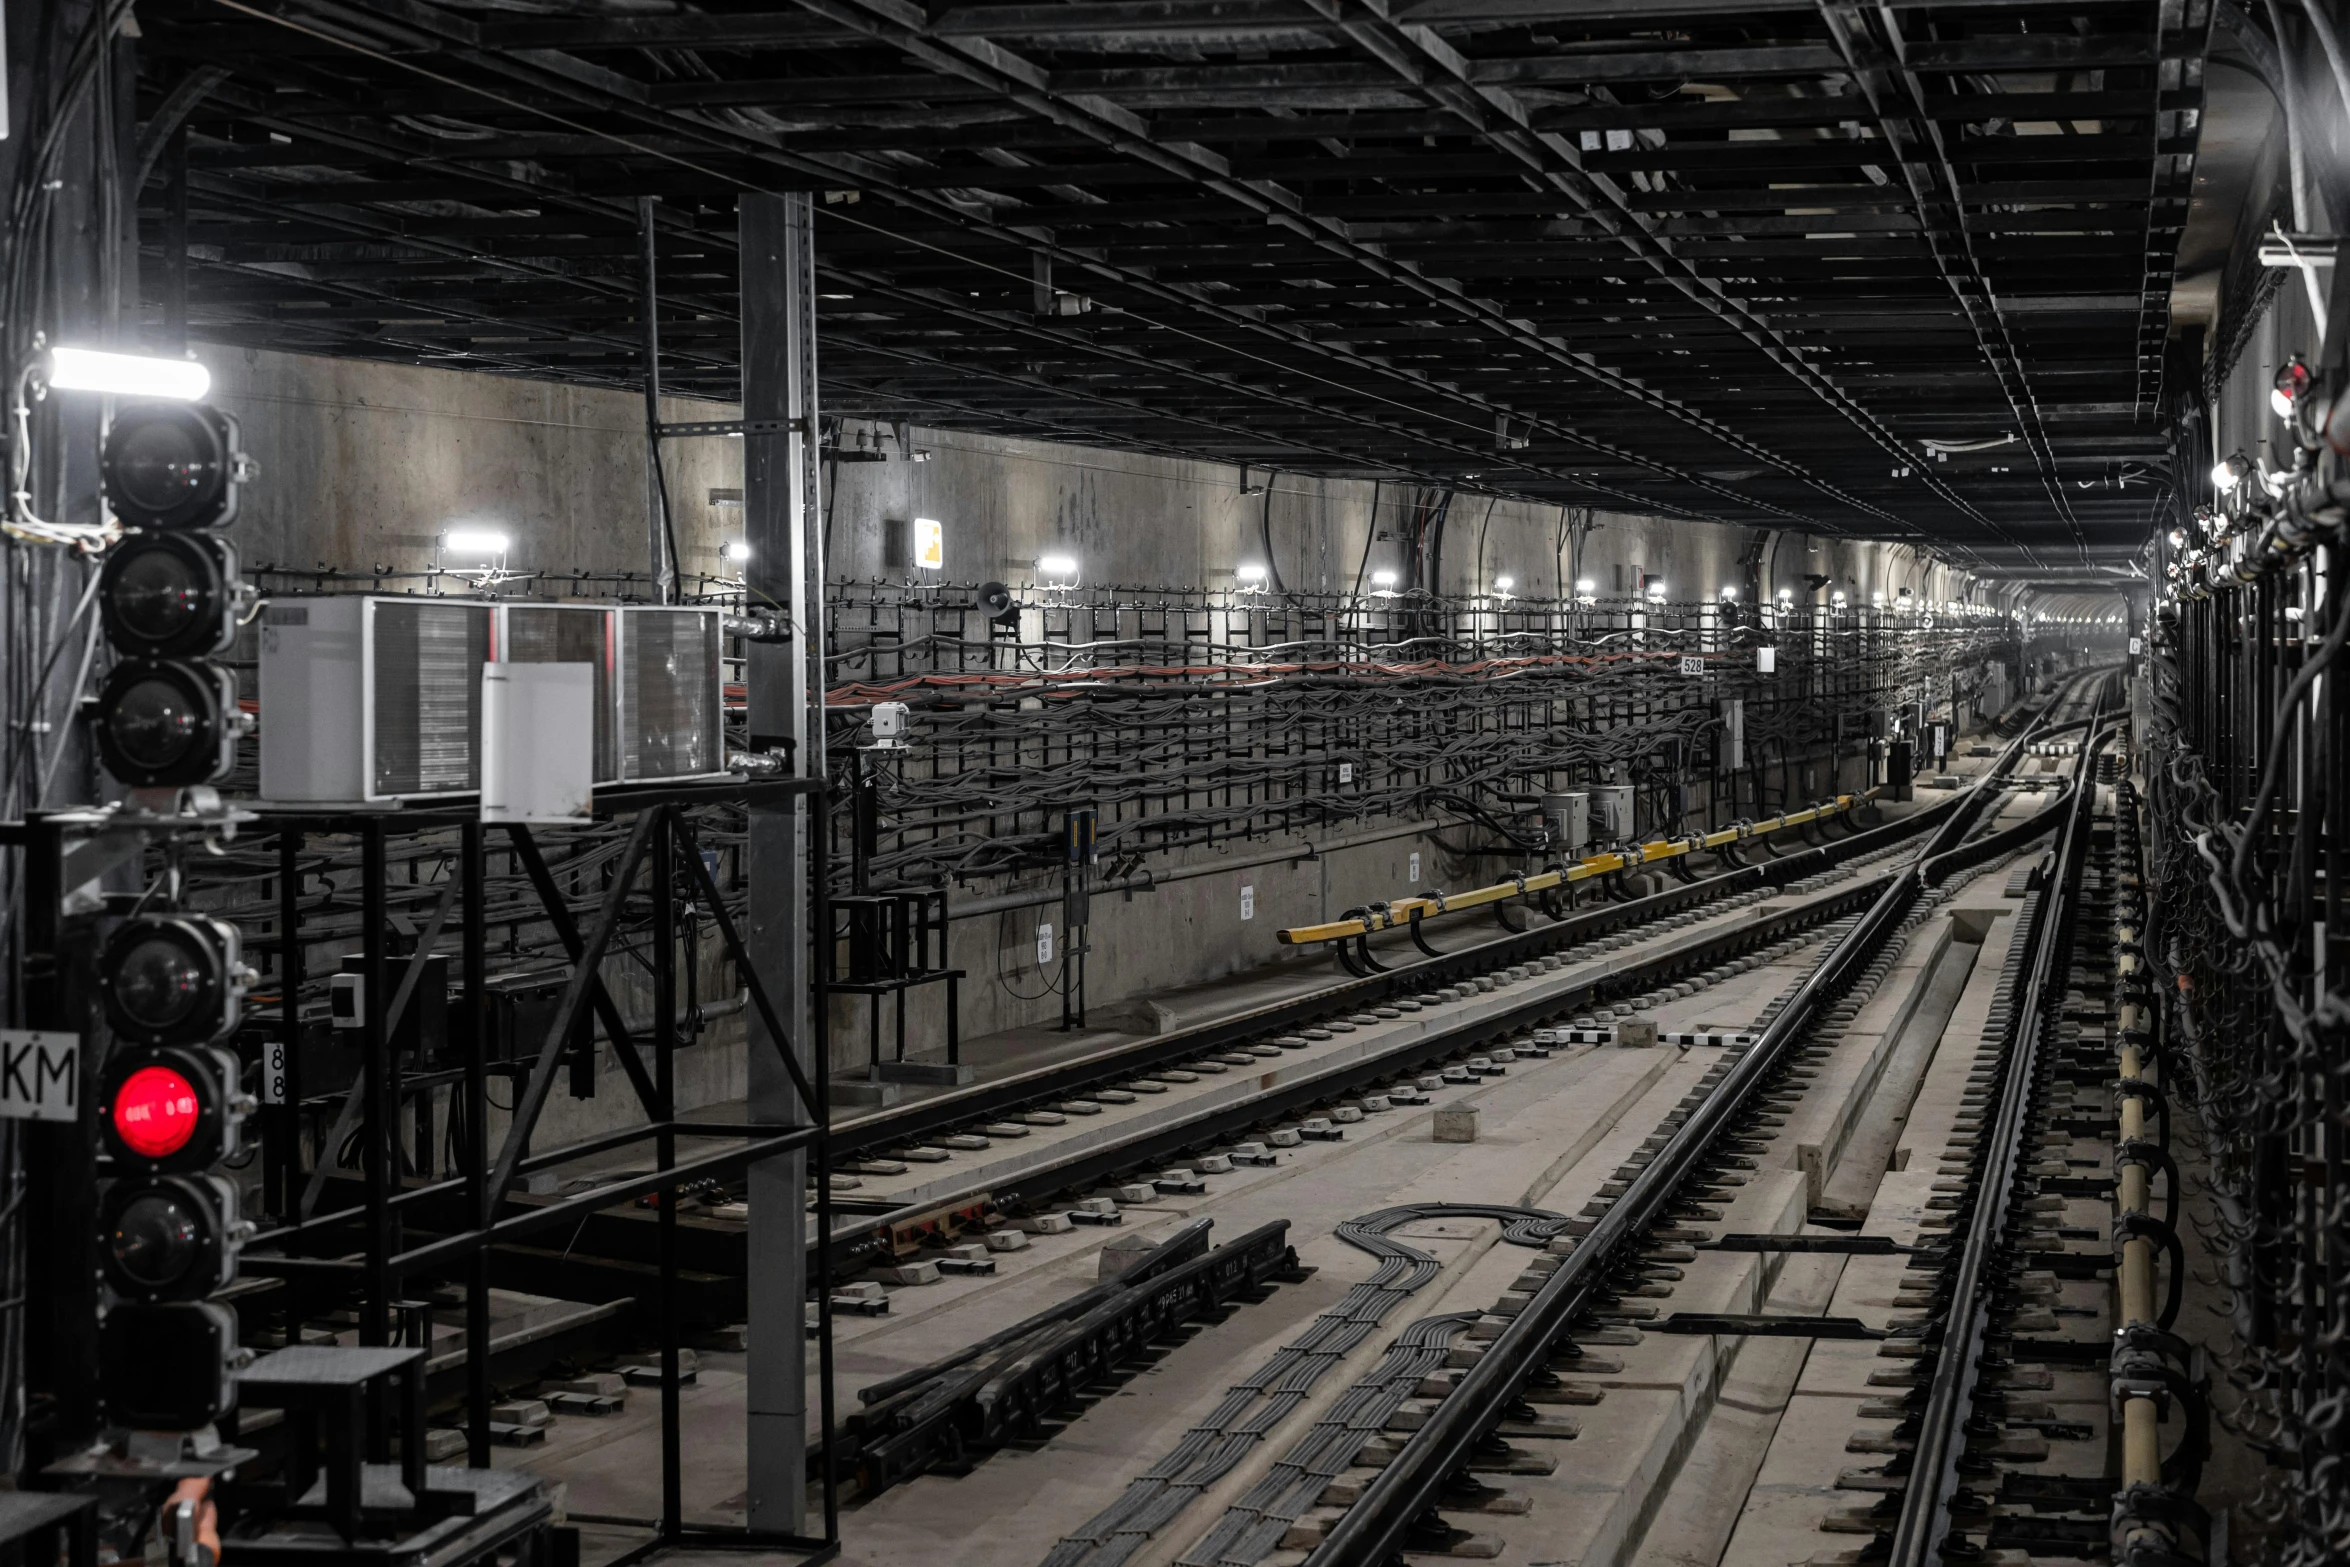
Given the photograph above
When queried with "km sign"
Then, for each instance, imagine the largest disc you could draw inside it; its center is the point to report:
(38, 1073)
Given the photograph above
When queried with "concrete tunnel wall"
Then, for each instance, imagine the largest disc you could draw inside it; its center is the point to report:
(364, 465)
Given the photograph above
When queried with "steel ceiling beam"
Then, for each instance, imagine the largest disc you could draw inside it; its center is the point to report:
(1423, 59)
(1385, 245)
(413, 24)
(1873, 52)
(903, 23)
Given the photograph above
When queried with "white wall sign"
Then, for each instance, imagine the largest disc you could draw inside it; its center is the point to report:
(1248, 903)
(1415, 867)
(273, 1072)
(1346, 770)
(1692, 665)
(930, 543)
(38, 1071)
(1044, 945)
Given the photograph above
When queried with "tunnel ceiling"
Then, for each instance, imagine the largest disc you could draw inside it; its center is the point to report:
(1729, 261)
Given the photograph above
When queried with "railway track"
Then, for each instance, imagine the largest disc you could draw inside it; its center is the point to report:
(2001, 1264)
(933, 1416)
(1958, 1405)
(1129, 1116)
(1126, 1125)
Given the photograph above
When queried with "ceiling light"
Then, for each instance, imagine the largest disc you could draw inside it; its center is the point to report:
(127, 375)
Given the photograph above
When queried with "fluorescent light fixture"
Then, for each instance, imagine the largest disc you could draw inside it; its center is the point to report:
(1837, 598)
(930, 544)
(1383, 578)
(127, 375)
(1504, 584)
(1786, 595)
(1877, 598)
(1251, 572)
(1729, 595)
(738, 550)
(1586, 585)
(469, 541)
(1656, 589)
(1057, 565)
(2227, 473)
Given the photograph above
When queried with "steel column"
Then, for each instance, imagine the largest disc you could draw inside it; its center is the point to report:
(659, 543)
(664, 889)
(473, 1146)
(380, 1126)
(781, 524)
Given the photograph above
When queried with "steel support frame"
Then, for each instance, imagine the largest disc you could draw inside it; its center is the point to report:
(782, 525)
(363, 1248)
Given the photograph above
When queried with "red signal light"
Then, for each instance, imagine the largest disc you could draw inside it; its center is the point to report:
(156, 1112)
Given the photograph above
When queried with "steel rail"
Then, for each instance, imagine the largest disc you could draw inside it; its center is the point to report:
(1165, 1140)
(992, 1100)
(1374, 1530)
(1168, 1139)
(1925, 1520)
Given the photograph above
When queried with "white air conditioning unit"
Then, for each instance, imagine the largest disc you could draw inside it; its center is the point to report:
(378, 698)
(669, 697)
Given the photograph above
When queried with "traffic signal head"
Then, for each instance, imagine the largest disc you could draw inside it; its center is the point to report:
(165, 722)
(168, 1367)
(173, 1237)
(180, 1107)
(171, 595)
(173, 979)
(172, 465)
